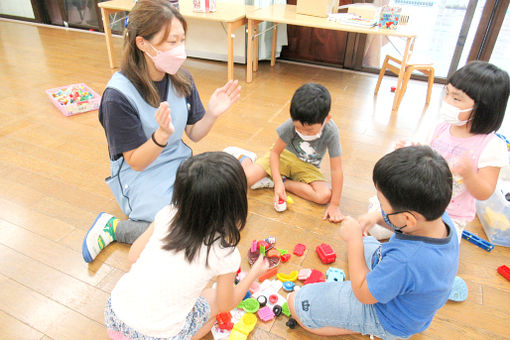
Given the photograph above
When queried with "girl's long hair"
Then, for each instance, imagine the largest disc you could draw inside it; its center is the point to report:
(147, 18)
(210, 197)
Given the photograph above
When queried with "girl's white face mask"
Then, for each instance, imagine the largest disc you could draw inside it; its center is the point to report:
(309, 138)
(169, 61)
(450, 114)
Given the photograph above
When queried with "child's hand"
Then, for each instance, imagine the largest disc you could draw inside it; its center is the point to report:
(279, 192)
(368, 220)
(464, 166)
(333, 214)
(350, 229)
(403, 143)
(260, 266)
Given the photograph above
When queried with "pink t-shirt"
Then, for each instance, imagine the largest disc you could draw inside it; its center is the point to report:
(462, 205)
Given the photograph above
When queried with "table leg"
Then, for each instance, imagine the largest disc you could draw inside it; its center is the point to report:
(230, 38)
(249, 52)
(396, 99)
(273, 49)
(105, 13)
(256, 48)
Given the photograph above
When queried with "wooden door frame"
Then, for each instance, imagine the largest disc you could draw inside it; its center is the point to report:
(488, 29)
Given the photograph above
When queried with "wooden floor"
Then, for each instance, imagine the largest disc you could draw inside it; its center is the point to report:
(52, 171)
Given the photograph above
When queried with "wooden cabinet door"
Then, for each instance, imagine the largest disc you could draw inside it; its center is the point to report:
(314, 44)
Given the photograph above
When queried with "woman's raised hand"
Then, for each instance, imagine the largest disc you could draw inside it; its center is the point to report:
(164, 120)
(224, 97)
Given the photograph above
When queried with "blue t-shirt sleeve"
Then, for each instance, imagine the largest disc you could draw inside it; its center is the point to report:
(389, 279)
(196, 110)
(121, 123)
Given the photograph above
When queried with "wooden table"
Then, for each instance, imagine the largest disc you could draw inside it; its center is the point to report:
(286, 14)
(232, 15)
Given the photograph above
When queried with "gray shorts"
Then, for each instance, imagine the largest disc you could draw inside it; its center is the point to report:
(333, 304)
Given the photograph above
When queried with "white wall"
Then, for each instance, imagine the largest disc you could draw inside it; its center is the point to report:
(18, 8)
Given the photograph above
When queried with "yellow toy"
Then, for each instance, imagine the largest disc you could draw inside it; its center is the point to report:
(288, 277)
(243, 328)
(496, 220)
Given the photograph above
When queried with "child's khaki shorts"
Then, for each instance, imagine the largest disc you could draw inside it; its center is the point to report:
(294, 168)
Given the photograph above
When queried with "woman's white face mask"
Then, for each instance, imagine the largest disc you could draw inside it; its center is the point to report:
(450, 114)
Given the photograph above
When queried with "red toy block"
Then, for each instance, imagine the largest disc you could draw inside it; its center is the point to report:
(326, 253)
(315, 276)
(505, 271)
(285, 257)
(268, 274)
(393, 89)
(224, 321)
(299, 249)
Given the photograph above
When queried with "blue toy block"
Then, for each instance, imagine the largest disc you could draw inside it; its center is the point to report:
(335, 275)
(485, 245)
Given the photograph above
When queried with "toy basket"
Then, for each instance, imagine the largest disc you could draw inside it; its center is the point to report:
(74, 99)
(494, 215)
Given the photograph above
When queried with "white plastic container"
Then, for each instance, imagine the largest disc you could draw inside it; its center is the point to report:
(494, 215)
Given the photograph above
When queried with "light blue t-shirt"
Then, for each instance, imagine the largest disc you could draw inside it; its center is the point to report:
(413, 280)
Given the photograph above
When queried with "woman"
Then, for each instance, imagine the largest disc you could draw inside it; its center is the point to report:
(145, 110)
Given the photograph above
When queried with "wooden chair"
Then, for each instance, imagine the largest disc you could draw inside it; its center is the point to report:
(425, 68)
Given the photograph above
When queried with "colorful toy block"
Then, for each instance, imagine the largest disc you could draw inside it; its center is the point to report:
(335, 275)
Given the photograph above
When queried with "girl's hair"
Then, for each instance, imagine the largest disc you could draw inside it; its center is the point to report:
(210, 197)
(147, 18)
(489, 87)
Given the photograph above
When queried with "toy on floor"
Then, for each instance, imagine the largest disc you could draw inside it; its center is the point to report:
(485, 245)
(326, 253)
(266, 249)
(224, 321)
(459, 290)
(504, 271)
(243, 328)
(335, 275)
(299, 249)
(281, 205)
(315, 276)
(287, 277)
(292, 323)
(73, 99)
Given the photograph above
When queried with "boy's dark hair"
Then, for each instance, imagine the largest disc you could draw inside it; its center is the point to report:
(489, 87)
(310, 104)
(415, 178)
(210, 197)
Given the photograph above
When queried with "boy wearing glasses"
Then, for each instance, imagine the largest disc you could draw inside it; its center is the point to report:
(396, 287)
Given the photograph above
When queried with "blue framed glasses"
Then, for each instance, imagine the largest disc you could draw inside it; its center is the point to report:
(388, 222)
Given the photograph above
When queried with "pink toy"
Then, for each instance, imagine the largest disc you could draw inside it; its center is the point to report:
(299, 249)
(273, 298)
(326, 253)
(266, 314)
(304, 274)
(315, 276)
(73, 99)
(253, 246)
